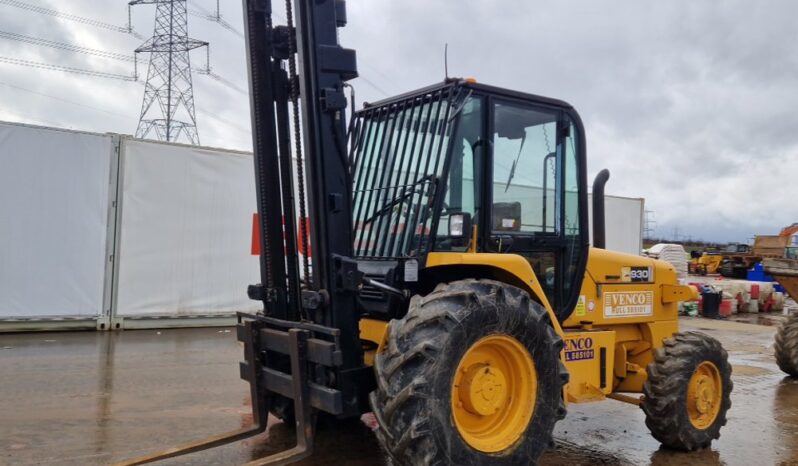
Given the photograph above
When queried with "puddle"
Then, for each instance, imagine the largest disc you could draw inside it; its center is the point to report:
(748, 371)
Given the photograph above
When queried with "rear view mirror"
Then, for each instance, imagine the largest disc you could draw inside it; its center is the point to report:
(460, 226)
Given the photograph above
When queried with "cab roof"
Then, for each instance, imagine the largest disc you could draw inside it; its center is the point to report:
(475, 86)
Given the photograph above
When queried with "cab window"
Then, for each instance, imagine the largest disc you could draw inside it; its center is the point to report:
(524, 167)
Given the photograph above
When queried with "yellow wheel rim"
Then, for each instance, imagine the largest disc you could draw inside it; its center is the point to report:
(494, 393)
(704, 395)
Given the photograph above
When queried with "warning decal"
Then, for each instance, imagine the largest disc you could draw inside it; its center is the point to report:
(580, 307)
(628, 303)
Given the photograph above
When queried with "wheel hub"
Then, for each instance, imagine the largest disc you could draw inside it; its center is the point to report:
(494, 393)
(706, 396)
(704, 393)
(484, 389)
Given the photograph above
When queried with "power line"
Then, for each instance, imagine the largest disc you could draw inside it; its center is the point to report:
(96, 52)
(66, 46)
(65, 69)
(221, 22)
(208, 114)
(224, 121)
(42, 94)
(197, 14)
(211, 115)
(224, 24)
(71, 17)
(221, 80)
(202, 10)
(214, 17)
(373, 86)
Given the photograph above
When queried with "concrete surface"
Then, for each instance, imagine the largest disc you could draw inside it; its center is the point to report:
(92, 398)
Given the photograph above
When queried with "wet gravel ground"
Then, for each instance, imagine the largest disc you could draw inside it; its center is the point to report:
(93, 398)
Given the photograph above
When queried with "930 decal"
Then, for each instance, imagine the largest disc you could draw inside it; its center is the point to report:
(636, 274)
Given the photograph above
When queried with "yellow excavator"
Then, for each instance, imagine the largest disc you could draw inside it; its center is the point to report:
(452, 290)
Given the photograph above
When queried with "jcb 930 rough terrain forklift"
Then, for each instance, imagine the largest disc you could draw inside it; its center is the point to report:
(452, 289)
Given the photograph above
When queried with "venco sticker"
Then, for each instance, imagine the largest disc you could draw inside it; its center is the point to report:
(628, 303)
(577, 349)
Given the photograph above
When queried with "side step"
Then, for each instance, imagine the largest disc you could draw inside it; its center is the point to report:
(260, 334)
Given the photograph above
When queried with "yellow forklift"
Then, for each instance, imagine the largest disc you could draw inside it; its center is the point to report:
(452, 290)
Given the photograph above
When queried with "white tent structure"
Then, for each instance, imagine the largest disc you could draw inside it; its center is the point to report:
(106, 231)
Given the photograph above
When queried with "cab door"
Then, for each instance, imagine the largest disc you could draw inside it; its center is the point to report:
(536, 194)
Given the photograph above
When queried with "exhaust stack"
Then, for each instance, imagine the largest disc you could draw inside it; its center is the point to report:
(599, 238)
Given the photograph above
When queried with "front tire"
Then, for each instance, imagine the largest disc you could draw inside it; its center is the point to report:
(787, 346)
(688, 390)
(458, 381)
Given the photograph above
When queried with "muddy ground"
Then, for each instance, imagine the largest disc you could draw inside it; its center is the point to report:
(93, 398)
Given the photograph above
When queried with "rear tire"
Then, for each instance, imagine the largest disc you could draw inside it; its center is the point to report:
(420, 407)
(726, 269)
(787, 346)
(688, 390)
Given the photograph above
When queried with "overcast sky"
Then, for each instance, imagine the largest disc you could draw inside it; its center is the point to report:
(691, 105)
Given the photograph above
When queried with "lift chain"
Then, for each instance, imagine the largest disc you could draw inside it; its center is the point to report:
(293, 80)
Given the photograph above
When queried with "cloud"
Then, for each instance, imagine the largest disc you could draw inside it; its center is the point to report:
(690, 104)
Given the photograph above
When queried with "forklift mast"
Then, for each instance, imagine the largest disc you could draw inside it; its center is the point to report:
(316, 77)
(324, 68)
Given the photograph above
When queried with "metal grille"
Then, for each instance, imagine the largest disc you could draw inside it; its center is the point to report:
(397, 156)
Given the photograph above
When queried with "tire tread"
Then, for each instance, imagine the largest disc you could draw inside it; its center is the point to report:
(665, 390)
(786, 347)
(405, 367)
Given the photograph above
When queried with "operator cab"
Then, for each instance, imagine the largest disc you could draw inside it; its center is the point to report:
(463, 167)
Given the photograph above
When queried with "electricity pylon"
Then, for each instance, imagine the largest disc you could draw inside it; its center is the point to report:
(168, 106)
